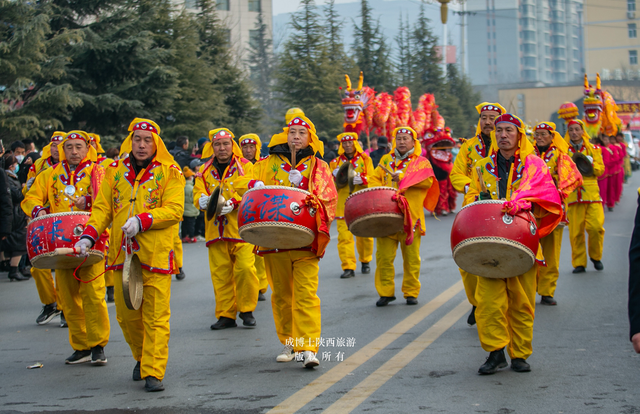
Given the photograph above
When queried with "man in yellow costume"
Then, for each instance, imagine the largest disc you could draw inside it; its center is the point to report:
(585, 211)
(351, 151)
(231, 260)
(143, 196)
(403, 168)
(251, 147)
(506, 307)
(43, 277)
(293, 274)
(83, 303)
(471, 151)
(554, 151)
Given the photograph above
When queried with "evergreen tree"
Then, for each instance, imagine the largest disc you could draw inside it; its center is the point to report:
(371, 51)
(425, 70)
(403, 63)
(460, 87)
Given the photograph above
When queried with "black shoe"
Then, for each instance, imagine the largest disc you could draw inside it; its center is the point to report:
(520, 365)
(579, 269)
(26, 271)
(261, 297)
(384, 300)
(5, 266)
(79, 357)
(15, 275)
(471, 319)
(63, 321)
(224, 323)
(610, 208)
(495, 361)
(412, 301)
(179, 276)
(110, 294)
(48, 312)
(153, 384)
(548, 300)
(248, 319)
(366, 269)
(598, 264)
(348, 273)
(97, 356)
(136, 372)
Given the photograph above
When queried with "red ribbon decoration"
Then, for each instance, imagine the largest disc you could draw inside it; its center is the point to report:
(403, 204)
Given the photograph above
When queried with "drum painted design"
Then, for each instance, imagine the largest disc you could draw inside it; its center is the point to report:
(372, 212)
(277, 217)
(60, 230)
(489, 243)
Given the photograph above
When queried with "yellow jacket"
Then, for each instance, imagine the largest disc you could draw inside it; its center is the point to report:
(234, 185)
(363, 165)
(471, 151)
(156, 197)
(36, 168)
(550, 157)
(589, 192)
(415, 195)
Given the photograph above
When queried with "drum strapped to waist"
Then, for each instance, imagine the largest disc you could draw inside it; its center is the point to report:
(373, 212)
(489, 243)
(277, 217)
(583, 164)
(61, 231)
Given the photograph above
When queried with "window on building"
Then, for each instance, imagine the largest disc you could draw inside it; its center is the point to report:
(227, 36)
(254, 6)
(222, 5)
(631, 5)
(632, 30)
(633, 57)
(254, 38)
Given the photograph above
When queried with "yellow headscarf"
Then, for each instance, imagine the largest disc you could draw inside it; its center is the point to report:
(292, 113)
(220, 133)
(141, 124)
(251, 139)
(349, 136)
(585, 137)
(96, 138)
(526, 147)
(417, 147)
(488, 106)
(558, 141)
(314, 141)
(91, 155)
(56, 139)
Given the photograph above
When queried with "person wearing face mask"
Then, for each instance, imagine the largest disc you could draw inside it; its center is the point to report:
(233, 273)
(18, 150)
(14, 245)
(142, 195)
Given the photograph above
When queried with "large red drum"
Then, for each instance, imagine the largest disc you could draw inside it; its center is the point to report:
(60, 230)
(489, 243)
(277, 217)
(372, 212)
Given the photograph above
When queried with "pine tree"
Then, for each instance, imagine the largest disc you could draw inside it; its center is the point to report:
(403, 60)
(371, 51)
(426, 74)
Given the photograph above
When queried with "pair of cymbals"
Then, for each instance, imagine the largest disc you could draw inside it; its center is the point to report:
(216, 202)
(345, 176)
(583, 164)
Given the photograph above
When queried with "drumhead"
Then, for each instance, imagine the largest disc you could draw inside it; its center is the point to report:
(67, 213)
(52, 260)
(377, 225)
(493, 257)
(365, 190)
(277, 235)
(132, 285)
(277, 187)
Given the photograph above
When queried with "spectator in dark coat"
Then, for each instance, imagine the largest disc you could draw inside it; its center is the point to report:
(15, 245)
(383, 148)
(28, 161)
(181, 152)
(634, 282)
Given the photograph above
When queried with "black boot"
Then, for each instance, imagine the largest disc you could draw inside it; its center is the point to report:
(366, 269)
(579, 269)
(15, 275)
(384, 300)
(495, 361)
(248, 319)
(223, 323)
(548, 300)
(153, 384)
(412, 301)
(181, 275)
(110, 294)
(597, 264)
(348, 273)
(471, 319)
(261, 297)
(136, 372)
(520, 365)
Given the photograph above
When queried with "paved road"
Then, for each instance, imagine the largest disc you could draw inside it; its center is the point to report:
(404, 359)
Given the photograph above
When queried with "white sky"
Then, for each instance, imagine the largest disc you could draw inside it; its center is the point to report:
(288, 6)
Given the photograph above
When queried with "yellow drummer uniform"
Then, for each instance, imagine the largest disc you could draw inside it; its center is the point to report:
(415, 196)
(585, 211)
(231, 259)
(471, 151)
(84, 306)
(363, 167)
(154, 195)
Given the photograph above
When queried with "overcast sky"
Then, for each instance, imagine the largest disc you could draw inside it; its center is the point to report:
(288, 6)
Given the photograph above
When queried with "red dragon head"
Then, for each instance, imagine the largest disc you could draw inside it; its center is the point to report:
(352, 103)
(592, 102)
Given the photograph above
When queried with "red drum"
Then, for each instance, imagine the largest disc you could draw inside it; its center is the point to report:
(373, 213)
(60, 230)
(277, 217)
(489, 243)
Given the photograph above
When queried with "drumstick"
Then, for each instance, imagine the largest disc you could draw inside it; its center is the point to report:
(292, 148)
(388, 171)
(66, 250)
(483, 187)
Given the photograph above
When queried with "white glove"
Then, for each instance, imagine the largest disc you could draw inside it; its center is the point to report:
(357, 180)
(590, 158)
(295, 177)
(335, 172)
(258, 184)
(204, 201)
(227, 208)
(131, 227)
(83, 245)
(30, 183)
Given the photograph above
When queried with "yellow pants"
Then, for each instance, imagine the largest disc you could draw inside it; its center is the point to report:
(233, 274)
(84, 306)
(505, 313)
(177, 248)
(293, 277)
(146, 330)
(470, 283)
(47, 290)
(261, 273)
(589, 217)
(385, 272)
(364, 245)
(548, 276)
(108, 278)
